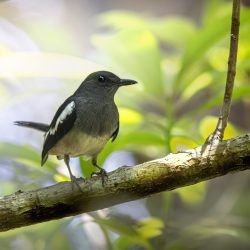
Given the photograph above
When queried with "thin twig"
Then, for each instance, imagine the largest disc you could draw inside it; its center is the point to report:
(218, 134)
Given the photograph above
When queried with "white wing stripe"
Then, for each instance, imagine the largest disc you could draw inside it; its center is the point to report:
(66, 112)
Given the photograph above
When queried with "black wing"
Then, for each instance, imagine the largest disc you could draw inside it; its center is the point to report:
(62, 122)
(114, 135)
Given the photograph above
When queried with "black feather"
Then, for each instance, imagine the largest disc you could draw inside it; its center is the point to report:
(35, 125)
(62, 129)
(114, 135)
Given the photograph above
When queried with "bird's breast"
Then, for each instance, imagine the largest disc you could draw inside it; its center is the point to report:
(76, 143)
(97, 119)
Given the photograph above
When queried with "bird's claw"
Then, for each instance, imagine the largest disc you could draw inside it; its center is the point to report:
(74, 180)
(101, 173)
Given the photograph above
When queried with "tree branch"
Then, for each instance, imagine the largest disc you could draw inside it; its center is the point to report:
(125, 184)
(218, 133)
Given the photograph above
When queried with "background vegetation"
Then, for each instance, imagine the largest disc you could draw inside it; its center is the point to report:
(180, 64)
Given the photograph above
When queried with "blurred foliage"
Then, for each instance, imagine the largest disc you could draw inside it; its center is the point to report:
(181, 69)
(138, 234)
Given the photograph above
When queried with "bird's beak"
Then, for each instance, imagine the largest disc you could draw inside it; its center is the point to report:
(124, 82)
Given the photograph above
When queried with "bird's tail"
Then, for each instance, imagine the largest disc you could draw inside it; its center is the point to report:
(35, 125)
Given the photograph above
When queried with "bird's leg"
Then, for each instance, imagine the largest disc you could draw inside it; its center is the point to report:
(102, 172)
(72, 177)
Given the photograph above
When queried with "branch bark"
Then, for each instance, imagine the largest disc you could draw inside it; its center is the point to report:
(218, 133)
(125, 184)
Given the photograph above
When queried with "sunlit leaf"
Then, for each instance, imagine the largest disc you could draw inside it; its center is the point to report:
(208, 124)
(179, 143)
(136, 52)
(207, 37)
(125, 242)
(194, 194)
(218, 58)
(150, 227)
(168, 30)
(214, 9)
(86, 167)
(148, 142)
(239, 93)
(200, 44)
(122, 20)
(60, 178)
(129, 116)
(149, 232)
(126, 231)
(201, 82)
(151, 222)
(139, 137)
(10, 151)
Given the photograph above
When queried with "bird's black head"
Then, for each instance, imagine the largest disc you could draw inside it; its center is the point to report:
(107, 79)
(103, 82)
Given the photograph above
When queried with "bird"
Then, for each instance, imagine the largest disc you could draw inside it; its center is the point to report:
(84, 123)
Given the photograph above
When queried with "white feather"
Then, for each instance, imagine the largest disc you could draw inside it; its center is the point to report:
(66, 112)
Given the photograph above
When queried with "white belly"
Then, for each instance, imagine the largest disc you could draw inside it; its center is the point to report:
(76, 144)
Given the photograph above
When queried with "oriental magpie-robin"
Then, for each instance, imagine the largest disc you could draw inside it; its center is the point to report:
(84, 123)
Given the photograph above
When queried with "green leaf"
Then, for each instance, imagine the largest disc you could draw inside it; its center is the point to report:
(239, 93)
(151, 222)
(125, 242)
(140, 137)
(150, 227)
(206, 38)
(168, 30)
(193, 195)
(179, 143)
(214, 9)
(24, 154)
(201, 82)
(122, 20)
(129, 116)
(132, 139)
(200, 44)
(136, 52)
(117, 226)
(217, 58)
(235, 231)
(208, 124)
(17, 152)
(86, 167)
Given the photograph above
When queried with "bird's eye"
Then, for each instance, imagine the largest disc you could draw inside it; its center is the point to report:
(101, 79)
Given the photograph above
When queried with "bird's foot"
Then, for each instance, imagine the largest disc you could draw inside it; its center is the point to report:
(101, 173)
(74, 180)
